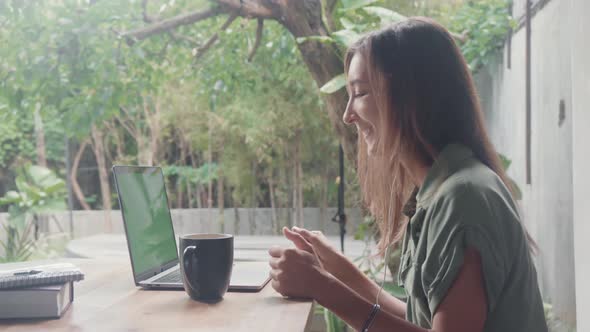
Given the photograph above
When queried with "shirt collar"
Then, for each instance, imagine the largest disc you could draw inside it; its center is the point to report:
(448, 161)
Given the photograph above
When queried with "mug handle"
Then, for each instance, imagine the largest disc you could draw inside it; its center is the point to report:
(186, 262)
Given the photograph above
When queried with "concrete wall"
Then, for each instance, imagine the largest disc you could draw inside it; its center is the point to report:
(249, 221)
(547, 204)
(580, 68)
(519, 6)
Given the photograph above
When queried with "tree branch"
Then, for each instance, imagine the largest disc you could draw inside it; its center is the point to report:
(249, 8)
(259, 29)
(460, 37)
(175, 36)
(201, 50)
(169, 24)
(146, 17)
(132, 131)
(146, 109)
(74, 176)
(330, 6)
(245, 8)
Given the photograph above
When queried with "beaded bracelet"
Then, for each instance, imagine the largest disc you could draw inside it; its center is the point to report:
(369, 321)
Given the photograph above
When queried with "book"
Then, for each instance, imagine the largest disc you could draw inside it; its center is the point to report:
(40, 275)
(36, 302)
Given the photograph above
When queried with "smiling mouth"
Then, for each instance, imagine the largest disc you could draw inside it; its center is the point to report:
(367, 131)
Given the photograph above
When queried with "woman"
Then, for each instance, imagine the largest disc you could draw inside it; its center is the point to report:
(431, 177)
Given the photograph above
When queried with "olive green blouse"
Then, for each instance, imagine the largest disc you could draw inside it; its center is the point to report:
(463, 203)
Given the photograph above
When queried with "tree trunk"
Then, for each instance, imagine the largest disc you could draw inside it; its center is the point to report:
(40, 137)
(273, 208)
(210, 161)
(220, 187)
(324, 200)
(324, 61)
(155, 124)
(252, 210)
(198, 187)
(295, 215)
(303, 18)
(329, 7)
(220, 202)
(199, 196)
(288, 178)
(300, 187)
(297, 182)
(119, 143)
(236, 219)
(179, 192)
(189, 194)
(74, 176)
(144, 153)
(105, 188)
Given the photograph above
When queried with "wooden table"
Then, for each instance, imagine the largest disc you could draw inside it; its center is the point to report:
(108, 300)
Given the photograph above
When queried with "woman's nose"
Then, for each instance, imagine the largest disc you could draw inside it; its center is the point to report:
(349, 115)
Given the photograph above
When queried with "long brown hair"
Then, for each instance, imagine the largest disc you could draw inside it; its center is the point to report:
(426, 99)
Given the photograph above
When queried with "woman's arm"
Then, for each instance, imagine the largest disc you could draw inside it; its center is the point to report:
(462, 310)
(355, 309)
(318, 271)
(355, 279)
(343, 269)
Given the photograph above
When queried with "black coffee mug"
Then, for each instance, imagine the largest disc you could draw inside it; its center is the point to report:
(206, 262)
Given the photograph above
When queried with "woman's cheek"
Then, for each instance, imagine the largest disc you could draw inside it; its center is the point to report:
(360, 107)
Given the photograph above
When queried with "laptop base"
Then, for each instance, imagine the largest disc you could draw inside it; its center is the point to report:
(247, 277)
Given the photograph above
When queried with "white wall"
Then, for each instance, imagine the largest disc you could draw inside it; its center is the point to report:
(249, 221)
(548, 204)
(580, 60)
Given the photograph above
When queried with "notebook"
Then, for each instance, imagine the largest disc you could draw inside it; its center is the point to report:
(40, 275)
(36, 302)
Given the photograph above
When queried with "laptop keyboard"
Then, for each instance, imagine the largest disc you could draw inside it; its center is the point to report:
(172, 277)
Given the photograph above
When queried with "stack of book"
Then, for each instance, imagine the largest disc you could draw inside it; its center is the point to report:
(44, 291)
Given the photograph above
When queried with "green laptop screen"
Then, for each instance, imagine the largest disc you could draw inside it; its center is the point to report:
(147, 218)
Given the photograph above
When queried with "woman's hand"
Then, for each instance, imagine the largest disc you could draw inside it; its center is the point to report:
(314, 242)
(296, 273)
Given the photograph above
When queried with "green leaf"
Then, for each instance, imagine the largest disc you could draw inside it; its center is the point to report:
(10, 198)
(50, 207)
(334, 84)
(139, 52)
(386, 16)
(516, 189)
(348, 24)
(355, 4)
(333, 323)
(321, 39)
(395, 290)
(55, 187)
(21, 184)
(17, 219)
(346, 37)
(505, 161)
(38, 173)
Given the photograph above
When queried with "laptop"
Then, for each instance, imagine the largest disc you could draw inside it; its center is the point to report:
(150, 234)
